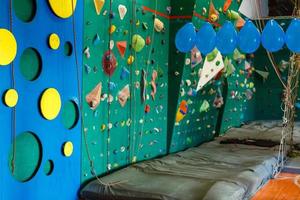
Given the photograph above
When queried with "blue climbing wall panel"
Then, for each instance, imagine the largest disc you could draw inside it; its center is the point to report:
(62, 179)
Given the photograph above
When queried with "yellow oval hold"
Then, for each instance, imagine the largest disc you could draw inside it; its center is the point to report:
(50, 104)
(8, 47)
(54, 41)
(11, 98)
(63, 8)
(68, 149)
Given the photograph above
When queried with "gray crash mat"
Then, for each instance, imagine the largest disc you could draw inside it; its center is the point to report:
(212, 171)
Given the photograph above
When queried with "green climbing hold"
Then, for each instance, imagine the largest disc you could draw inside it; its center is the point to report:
(138, 43)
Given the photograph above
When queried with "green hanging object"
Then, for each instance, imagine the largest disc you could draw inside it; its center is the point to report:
(211, 56)
(138, 43)
(229, 67)
(233, 15)
(263, 74)
(238, 56)
(204, 107)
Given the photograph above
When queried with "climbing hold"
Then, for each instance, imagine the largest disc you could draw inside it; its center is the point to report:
(145, 26)
(8, 47)
(196, 57)
(94, 97)
(233, 15)
(62, 8)
(143, 84)
(147, 108)
(54, 41)
(124, 73)
(50, 103)
(87, 52)
(123, 95)
(103, 127)
(210, 70)
(158, 25)
(130, 60)
(99, 5)
(122, 45)
(204, 107)
(213, 13)
(112, 29)
(240, 22)
(68, 149)
(109, 63)
(218, 102)
(148, 40)
(153, 84)
(192, 92)
(226, 6)
(96, 40)
(112, 86)
(138, 42)
(11, 98)
(122, 11)
(182, 111)
(111, 44)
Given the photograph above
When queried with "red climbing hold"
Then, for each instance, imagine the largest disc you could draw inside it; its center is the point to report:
(109, 63)
(147, 109)
(148, 40)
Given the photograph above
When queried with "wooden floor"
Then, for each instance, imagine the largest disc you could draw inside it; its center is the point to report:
(282, 188)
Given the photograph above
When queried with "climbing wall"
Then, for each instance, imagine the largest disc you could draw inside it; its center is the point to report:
(184, 11)
(202, 120)
(40, 134)
(240, 94)
(115, 135)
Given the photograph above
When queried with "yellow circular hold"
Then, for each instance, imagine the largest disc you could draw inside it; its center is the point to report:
(50, 103)
(63, 8)
(68, 149)
(8, 47)
(54, 41)
(11, 98)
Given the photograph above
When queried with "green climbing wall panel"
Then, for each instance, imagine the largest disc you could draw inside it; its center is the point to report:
(133, 134)
(197, 127)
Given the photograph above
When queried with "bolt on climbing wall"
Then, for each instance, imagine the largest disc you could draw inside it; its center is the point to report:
(125, 83)
(40, 133)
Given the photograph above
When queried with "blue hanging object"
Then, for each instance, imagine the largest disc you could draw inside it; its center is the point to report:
(249, 38)
(292, 36)
(273, 36)
(185, 38)
(206, 39)
(227, 38)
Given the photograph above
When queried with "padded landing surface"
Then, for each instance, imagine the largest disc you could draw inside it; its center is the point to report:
(262, 130)
(282, 188)
(212, 171)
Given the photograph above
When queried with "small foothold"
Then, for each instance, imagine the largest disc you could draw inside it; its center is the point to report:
(87, 52)
(147, 109)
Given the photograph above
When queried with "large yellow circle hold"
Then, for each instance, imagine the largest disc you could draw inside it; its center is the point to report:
(68, 149)
(63, 8)
(8, 47)
(11, 98)
(54, 41)
(50, 103)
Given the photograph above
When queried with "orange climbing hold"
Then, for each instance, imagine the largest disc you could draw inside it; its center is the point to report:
(226, 6)
(213, 13)
(122, 46)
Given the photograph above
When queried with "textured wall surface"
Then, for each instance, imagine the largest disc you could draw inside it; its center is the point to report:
(134, 135)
